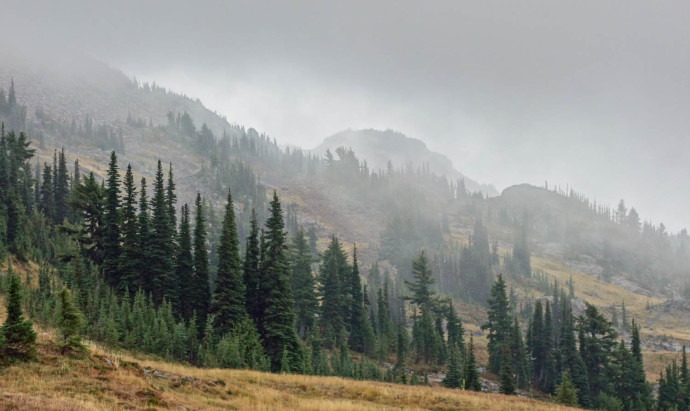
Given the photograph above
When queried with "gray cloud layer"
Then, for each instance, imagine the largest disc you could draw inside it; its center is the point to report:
(591, 93)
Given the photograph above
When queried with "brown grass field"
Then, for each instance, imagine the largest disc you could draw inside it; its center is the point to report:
(114, 380)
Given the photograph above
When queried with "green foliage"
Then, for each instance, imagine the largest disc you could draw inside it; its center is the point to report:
(566, 393)
(454, 377)
(130, 253)
(303, 285)
(333, 299)
(228, 299)
(278, 331)
(70, 322)
(199, 293)
(507, 375)
(471, 373)
(18, 334)
(499, 323)
(161, 246)
(111, 224)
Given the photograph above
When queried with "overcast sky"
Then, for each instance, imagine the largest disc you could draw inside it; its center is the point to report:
(594, 94)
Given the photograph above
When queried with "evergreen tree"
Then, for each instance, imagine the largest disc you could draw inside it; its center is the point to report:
(498, 324)
(330, 288)
(427, 340)
(566, 392)
(18, 334)
(145, 278)
(507, 375)
(61, 189)
(70, 322)
(455, 330)
(160, 261)
(519, 356)
(598, 338)
(111, 224)
(251, 275)
(572, 362)
(471, 373)
(228, 302)
(279, 318)
(46, 203)
(200, 291)
(130, 262)
(454, 376)
(361, 333)
(171, 199)
(641, 391)
(303, 285)
(184, 266)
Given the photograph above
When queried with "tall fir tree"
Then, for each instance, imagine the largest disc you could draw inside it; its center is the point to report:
(303, 285)
(332, 316)
(61, 188)
(111, 224)
(171, 200)
(254, 302)
(361, 335)
(471, 373)
(130, 257)
(228, 299)
(499, 323)
(200, 291)
(184, 266)
(507, 375)
(46, 202)
(278, 333)
(145, 277)
(161, 259)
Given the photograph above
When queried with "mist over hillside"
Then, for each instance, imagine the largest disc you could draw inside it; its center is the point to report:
(379, 148)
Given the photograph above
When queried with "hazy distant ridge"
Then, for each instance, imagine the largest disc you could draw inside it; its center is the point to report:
(379, 147)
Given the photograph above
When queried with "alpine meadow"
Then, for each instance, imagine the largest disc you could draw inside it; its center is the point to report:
(156, 253)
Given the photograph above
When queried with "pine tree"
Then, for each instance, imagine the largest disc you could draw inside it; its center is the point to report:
(184, 266)
(598, 338)
(471, 373)
(519, 356)
(572, 362)
(279, 332)
(70, 322)
(332, 317)
(303, 285)
(251, 275)
(145, 278)
(111, 224)
(360, 329)
(200, 291)
(507, 375)
(455, 330)
(171, 200)
(641, 390)
(19, 336)
(427, 340)
(498, 324)
(160, 261)
(47, 204)
(228, 299)
(130, 248)
(61, 189)
(566, 392)
(454, 376)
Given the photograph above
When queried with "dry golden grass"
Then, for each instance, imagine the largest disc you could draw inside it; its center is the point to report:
(63, 383)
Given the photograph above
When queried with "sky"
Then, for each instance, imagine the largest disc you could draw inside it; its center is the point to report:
(590, 94)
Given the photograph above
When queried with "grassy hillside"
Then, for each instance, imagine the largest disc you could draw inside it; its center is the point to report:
(116, 380)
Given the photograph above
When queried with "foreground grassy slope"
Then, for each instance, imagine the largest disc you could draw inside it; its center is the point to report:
(109, 380)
